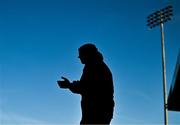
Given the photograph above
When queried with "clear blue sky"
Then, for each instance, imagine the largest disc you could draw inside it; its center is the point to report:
(38, 44)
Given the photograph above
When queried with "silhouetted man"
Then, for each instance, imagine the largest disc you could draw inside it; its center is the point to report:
(95, 87)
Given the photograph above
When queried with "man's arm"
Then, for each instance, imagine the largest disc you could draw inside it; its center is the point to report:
(73, 87)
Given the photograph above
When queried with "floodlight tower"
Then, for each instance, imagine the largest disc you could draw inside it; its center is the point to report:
(159, 18)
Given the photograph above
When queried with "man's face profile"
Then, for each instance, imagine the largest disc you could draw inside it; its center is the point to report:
(81, 57)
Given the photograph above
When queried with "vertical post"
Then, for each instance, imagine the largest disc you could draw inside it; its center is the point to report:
(164, 75)
(156, 19)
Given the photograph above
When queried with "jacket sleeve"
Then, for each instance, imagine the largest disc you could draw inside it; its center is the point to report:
(75, 87)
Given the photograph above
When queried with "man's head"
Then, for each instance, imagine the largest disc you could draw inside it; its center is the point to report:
(88, 53)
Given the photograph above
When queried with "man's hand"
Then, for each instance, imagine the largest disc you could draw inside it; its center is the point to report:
(64, 84)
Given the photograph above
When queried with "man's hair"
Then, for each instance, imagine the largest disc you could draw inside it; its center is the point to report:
(91, 50)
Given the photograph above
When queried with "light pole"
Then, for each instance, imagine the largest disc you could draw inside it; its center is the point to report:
(153, 20)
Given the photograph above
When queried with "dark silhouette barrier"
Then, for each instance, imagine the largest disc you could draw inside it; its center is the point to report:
(174, 94)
